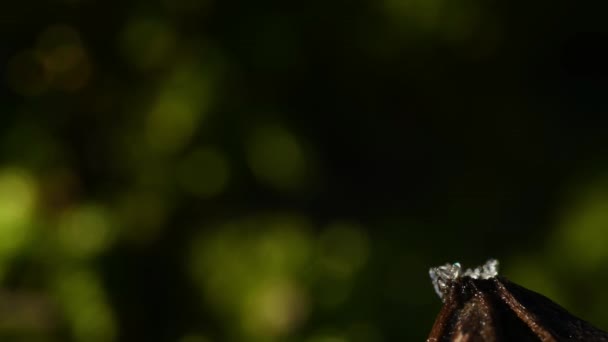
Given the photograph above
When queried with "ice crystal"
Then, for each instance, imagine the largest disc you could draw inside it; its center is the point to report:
(442, 276)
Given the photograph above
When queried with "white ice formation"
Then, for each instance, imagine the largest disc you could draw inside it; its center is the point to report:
(441, 276)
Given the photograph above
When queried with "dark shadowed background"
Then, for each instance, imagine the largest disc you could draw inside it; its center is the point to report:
(225, 170)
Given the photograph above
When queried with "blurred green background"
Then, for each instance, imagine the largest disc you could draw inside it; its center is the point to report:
(225, 170)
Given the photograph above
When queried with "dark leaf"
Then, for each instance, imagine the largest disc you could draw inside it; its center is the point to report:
(481, 306)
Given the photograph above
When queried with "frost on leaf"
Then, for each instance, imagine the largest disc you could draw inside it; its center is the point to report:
(442, 276)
